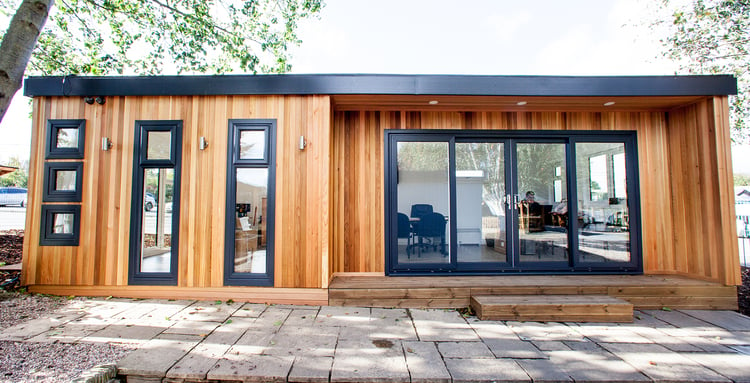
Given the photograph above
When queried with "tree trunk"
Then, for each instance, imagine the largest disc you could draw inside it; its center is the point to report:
(18, 43)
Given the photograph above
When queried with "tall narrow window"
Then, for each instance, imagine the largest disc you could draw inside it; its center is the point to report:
(250, 203)
(155, 203)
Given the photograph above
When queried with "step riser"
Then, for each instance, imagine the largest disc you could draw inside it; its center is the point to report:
(553, 308)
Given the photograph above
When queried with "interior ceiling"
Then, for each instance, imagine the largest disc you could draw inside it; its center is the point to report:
(509, 103)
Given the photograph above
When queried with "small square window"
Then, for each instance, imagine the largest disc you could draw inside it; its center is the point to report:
(63, 181)
(159, 145)
(65, 139)
(252, 144)
(60, 225)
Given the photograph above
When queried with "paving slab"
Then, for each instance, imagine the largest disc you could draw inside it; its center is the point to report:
(272, 318)
(192, 327)
(125, 334)
(544, 331)
(196, 363)
(661, 364)
(670, 342)
(585, 366)
(250, 310)
(311, 369)
(34, 327)
(342, 316)
(437, 325)
(610, 333)
(730, 320)
(310, 345)
(153, 359)
(679, 319)
(208, 311)
(492, 329)
(369, 361)
(462, 350)
(544, 371)
(68, 333)
(585, 345)
(644, 319)
(229, 332)
(486, 370)
(301, 318)
(732, 366)
(252, 368)
(515, 349)
(425, 363)
(552, 345)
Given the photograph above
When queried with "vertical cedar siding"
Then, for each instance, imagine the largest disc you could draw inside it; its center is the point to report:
(329, 209)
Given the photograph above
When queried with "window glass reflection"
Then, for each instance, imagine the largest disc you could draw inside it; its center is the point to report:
(423, 202)
(542, 202)
(65, 180)
(252, 144)
(156, 230)
(603, 216)
(67, 138)
(63, 223)
(250, 220)
(159, 145)
(480, 207)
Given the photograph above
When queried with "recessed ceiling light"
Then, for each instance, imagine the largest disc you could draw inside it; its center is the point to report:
(433, 102)
(521, 103)
(609, 103)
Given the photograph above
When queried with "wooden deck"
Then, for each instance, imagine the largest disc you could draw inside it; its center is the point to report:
(643, 291)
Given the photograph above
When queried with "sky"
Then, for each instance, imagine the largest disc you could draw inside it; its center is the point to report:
(543, 37)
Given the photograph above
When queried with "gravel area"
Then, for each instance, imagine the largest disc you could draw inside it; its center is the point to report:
(52, 362)
(18, 307)
(45, 362)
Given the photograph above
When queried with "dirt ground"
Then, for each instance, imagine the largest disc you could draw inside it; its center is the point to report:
(11, 249)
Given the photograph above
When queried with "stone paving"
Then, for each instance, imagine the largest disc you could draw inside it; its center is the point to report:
(195, 341)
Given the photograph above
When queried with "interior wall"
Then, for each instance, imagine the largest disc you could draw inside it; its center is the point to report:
(302, 238)
(358, 227)
(702, 199)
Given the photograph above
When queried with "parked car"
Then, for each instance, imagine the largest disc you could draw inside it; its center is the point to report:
(12, 195)
(149, 202)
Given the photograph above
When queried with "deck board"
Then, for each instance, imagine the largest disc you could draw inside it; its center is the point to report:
(643, 291)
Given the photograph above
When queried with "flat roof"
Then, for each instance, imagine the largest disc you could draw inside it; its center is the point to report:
(383, 84)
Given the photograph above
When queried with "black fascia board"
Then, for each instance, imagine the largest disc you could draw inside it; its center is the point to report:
(335, 84)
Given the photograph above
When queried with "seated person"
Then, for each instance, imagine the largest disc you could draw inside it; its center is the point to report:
(532, 211)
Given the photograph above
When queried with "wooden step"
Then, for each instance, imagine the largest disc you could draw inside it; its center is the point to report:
(552, 308)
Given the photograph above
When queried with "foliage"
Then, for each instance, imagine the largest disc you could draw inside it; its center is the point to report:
(167, 36)
(19, 177)
(741, 180)
(711, 37)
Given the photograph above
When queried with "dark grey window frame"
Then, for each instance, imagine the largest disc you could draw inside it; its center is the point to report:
(570, 138)
(50, 173)
(50, 238)
(236, 126)
(142, 127)
(51, 149)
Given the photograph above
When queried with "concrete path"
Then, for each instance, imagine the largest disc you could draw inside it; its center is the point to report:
(188, 341)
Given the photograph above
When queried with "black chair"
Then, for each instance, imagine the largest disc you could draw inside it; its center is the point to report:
(404, 231)
(432, 227)
(420, 209)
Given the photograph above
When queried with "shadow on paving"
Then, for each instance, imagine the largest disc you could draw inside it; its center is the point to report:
(189, 341)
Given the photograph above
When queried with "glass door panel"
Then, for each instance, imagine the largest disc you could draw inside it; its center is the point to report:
(423, 203)
(480, 202)
(541, 203)
(603, 216)
(250, 220)
(156, 229)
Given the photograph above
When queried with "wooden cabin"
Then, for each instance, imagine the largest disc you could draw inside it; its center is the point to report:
(382, 190)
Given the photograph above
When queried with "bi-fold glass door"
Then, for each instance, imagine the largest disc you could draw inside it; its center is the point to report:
(491, 203)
